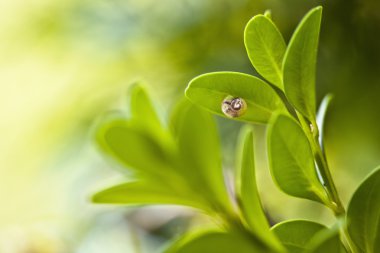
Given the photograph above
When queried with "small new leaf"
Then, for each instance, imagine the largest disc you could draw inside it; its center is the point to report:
(321, 115)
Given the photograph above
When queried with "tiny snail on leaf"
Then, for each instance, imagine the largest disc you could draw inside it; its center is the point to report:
(210, 90)
(233, 106)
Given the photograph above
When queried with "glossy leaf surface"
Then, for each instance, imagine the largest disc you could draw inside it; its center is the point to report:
(266, 48)
(322, 112)
(363, 215)
(291, 160)
(296, 234)
(300, 64)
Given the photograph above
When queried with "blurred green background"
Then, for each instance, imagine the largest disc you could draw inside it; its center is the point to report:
(65, 63)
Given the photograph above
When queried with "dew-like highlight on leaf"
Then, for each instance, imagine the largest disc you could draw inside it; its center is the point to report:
(233, 106)
(311, 128)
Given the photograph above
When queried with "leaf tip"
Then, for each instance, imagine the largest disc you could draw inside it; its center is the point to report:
(192, 83)
(268, 14)
(96, 198)
(187, 89)
(316, 11)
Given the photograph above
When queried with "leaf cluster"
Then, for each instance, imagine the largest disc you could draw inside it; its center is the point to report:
(180, 163)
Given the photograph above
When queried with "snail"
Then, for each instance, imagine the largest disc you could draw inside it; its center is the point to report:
(233, 107)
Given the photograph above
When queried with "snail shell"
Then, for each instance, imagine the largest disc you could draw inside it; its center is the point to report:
(233, 106)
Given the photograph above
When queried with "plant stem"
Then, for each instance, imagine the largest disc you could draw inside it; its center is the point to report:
(311, 131)
(328, 181)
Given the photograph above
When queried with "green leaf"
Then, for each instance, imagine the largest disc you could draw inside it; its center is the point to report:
(296, 234)
(326, 241)
(291, 160)
(266, 48)
(145, 192)
(139, 142)
(133, 147)
(199, 147)
(210, 90)
(300, 63)
(322, 111)
(142, 110)
(221, 242)
(363, 215)
(248, 195)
